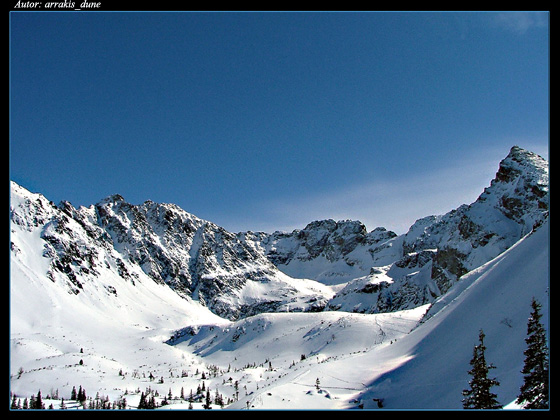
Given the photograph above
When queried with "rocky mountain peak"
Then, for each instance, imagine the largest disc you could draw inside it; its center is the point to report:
(437, 250)
(112, 199)
(520, 188)
(521, 162)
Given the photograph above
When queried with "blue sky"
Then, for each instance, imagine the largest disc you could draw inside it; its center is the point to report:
(266, 121)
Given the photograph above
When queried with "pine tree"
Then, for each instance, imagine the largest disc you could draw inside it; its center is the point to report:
(38, 404)
(208, 402)
(218, 399)
(534, 391)
(479, 395)
(142, 404)
(14, 405)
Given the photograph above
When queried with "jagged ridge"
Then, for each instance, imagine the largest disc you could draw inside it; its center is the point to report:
(196, 258)
(237, 275)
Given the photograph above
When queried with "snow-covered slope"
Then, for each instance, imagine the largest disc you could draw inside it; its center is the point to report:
(59, 339)
(495, 298)
(124, 299)
(427, 368)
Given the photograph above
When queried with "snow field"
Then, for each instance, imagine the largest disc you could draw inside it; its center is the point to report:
(110, 344)
(356, 357)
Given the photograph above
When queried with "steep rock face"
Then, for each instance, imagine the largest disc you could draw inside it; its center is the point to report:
(72, 249)
(194, 257)
(175, 247)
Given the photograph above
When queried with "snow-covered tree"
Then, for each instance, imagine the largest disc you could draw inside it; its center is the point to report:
(479, 395)
(534, 391)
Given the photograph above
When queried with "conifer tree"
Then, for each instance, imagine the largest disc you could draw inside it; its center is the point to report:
(142, 404)
(208, 402)
(534, 391)
(14, 405)
(80, 395)
(37, 402)
(479, 395)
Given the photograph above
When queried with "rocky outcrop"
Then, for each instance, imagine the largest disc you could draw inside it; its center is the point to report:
(516, 201)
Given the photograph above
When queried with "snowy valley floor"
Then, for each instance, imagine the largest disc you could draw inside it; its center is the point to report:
(149, 339)
(275, 359)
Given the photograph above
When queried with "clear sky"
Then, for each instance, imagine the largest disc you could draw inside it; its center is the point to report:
(270, 120)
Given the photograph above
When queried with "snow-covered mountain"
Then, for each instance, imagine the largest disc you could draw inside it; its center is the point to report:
(249, 273)
(194, 257)
(384, 272)
(150, 288)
